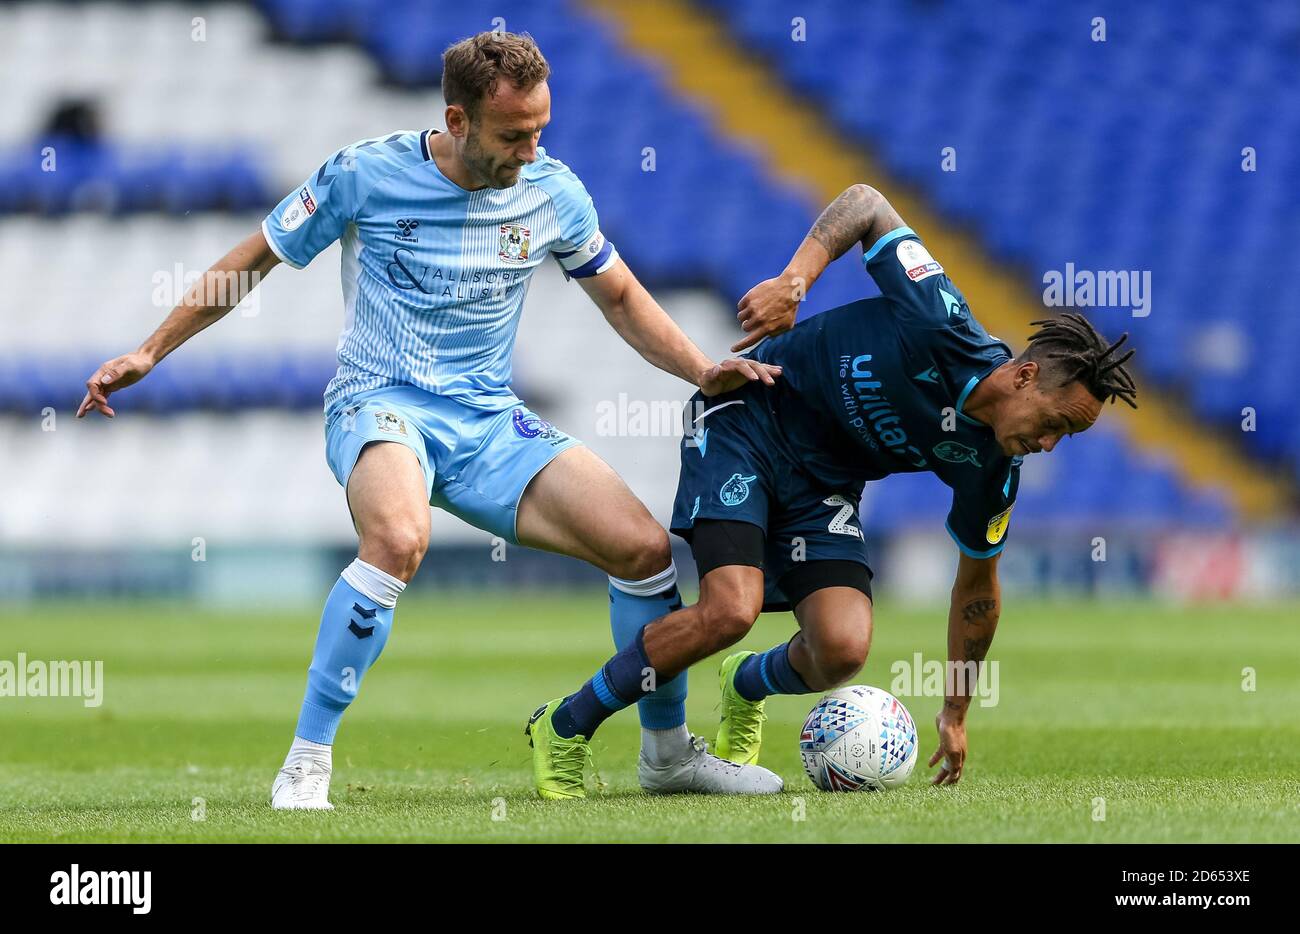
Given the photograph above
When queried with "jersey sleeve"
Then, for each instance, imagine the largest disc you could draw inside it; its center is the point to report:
(316, 213)
(582, 250)
(980, 515)
(914, 282)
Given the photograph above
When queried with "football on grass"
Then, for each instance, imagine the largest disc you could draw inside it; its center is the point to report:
(858, 738)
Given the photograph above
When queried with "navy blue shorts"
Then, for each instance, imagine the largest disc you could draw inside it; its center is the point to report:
(733, 470)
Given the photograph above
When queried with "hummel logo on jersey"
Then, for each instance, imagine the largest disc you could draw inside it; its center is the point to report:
(406, 226)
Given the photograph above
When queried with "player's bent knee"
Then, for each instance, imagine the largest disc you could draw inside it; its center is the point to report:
(840, 661)
(646, 554)
(727, 620)
(397, 549)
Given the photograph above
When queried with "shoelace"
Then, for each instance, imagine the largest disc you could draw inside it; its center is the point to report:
(746, 721)
(569, 759)
(309, 785)
(701, 748)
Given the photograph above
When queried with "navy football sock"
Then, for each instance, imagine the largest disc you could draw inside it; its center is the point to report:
(621, 682)
(767, 673)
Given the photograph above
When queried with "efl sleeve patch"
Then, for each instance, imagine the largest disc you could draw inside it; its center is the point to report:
(317, 212)
(916, 260)
(997, 527)
(915, 283)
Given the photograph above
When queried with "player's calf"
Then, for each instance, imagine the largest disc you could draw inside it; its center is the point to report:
(725, 619)
(835, 624)
(390, 507)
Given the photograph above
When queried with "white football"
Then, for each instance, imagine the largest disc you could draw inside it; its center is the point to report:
(858, 738)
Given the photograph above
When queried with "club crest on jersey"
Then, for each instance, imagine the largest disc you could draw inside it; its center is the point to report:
(514, 243)
(390, 423)
(955, 452)
(917, 261)
(528, 425)
(997, 529)
(735, 491)
(299, 210)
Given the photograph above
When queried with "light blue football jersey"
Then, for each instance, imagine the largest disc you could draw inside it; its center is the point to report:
(434, 276)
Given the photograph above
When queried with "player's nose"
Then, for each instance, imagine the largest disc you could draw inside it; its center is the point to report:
(1047, 442)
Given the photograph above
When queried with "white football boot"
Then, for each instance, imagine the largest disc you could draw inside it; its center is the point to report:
(302, 787)
(700, 772)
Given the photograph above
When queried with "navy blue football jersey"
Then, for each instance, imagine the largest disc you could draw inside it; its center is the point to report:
(870, 388)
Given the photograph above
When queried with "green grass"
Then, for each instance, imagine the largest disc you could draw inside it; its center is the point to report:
(1138, 704)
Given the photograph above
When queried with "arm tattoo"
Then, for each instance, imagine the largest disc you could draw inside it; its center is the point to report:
(976, 649)
(845, 220)
(976, 612)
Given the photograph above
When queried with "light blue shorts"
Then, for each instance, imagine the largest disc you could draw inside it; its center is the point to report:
(477, 457)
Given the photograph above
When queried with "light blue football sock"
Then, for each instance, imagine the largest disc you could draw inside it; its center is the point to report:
(354, 626)
(632, 604)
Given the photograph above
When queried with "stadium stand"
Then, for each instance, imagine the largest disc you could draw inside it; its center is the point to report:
(1167, 104)
(223, 126)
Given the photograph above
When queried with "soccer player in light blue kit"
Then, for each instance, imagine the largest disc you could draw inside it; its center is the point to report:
(440, 233)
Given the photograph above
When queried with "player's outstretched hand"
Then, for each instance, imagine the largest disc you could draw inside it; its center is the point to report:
(736, 372)
(769, 308)
(116, 374)
(952, 750)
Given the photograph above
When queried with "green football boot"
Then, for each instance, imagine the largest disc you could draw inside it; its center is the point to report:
(558, 763)
(740, 734)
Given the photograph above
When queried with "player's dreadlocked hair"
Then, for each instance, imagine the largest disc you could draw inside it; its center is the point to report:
(1070, 348)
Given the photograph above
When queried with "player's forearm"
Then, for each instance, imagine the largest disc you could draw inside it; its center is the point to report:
(855, 215)
(648, 330)
(219, 289)
(972, 620)
(858, 214)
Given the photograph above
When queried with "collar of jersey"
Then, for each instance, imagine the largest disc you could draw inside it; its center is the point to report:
(428, 157)
(966, 391)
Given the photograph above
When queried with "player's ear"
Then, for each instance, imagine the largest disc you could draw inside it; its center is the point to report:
(1026, 374)
(457, 121)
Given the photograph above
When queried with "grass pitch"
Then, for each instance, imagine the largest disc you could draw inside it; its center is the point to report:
(1136, 708)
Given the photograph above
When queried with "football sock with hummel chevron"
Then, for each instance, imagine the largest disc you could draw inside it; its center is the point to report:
(767, 673)
(353, 629)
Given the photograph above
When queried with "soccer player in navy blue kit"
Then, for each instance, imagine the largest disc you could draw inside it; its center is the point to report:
(772, 476)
